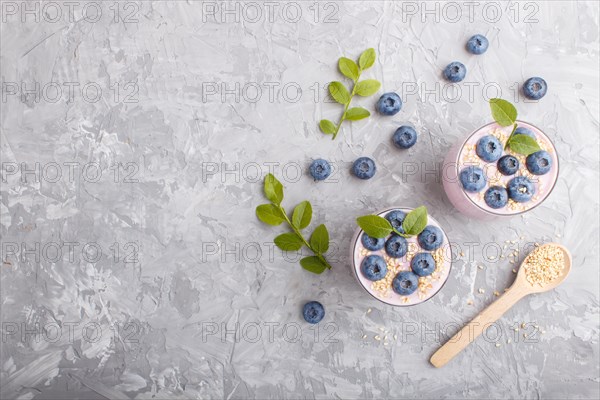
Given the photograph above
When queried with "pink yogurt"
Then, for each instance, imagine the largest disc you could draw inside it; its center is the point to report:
(463, 155)
(428, 286)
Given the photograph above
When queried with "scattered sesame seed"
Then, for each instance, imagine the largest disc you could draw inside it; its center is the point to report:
(497, 344)
(508, 341)
(369, 311)
(364, 336)
(385, 343)
(470, 302)
(496, 293)
(480, 266)
(525, 335)
(395, 337)
(481, 290)
(543, 332)
(377, 337)
(514, 271)
(523, 325)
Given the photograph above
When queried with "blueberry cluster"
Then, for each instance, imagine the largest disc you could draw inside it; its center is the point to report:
(374, 267)
(520, 188)
(534, 88)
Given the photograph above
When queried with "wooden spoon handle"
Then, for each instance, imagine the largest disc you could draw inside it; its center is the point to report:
(473, 329)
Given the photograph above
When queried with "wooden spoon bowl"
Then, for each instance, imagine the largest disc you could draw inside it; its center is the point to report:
(520, 288)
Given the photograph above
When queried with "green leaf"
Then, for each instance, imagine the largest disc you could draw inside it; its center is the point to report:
(302, 215)
(327, 127)
(523, 144)
(368, 87)
(356, 113)
(367, 59)
(288, 242)
(269, 214)
(273, 189)
(348, 68)
(313, 264)
(339, 92)
(319, 240)
(415, 221)
(503, 112)
(374, 226)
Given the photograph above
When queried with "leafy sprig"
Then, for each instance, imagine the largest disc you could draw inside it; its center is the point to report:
(274, 214)
(505, 114)
(343, 96)
(379, 227)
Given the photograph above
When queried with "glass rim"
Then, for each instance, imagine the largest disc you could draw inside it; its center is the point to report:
(357, 238)
(456, 166)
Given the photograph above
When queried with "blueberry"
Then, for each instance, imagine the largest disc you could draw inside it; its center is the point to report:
(389, 104)
(372, 243)
(396, 246)
(520, 189)
(431, 238)
(313, 312)
(535, 88)
(496, 197)
(508, 165)
(396, 218)
(478, 44)
(364, 168)
(524, 131)
(405, 137)
(472, 178)
(320, 169)
(455, 71)
(489, 148)
(405, 283)
(423, 264)
(373, 268)
(539, 163)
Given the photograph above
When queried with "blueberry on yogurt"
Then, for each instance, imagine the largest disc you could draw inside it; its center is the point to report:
(364, 168)
(320, 169)
(405, 283)
(508, 165)
(373, 267)
(423, 264)
(478, 44)
(455, 71)
(489, 148)
(431, 238)
(520, 189)
(472, 178)
(539, 163)
(389, 104)
(396, 246)
(396, 218)
(524, 131)
(535, 88)
(313, 312)
(372, 243)
(496, 197)
(405, 137)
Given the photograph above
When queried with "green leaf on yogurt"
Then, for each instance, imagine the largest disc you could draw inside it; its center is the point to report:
(314, 264)
(503, 112)
(357, 113)
(375, 226)
(368, 87)
(415, 221)
(288, 242)
(367, 59)
(339, 92)
(523, 144)
(348, 68)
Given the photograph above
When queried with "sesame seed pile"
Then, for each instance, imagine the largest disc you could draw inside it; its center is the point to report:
(544, 265)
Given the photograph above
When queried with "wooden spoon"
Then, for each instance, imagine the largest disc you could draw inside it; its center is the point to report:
(519, 289)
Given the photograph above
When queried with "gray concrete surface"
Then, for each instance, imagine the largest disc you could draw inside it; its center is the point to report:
(133, 263)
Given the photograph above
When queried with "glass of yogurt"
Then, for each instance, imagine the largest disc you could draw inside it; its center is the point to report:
(402, 271)
(483, 179)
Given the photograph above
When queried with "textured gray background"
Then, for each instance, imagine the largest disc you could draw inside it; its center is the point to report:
(142, 326)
